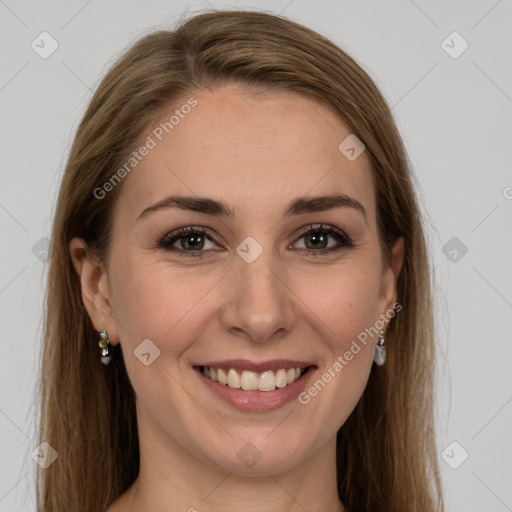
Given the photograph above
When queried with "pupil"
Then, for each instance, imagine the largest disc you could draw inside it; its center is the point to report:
(193, 239)
(317, 237)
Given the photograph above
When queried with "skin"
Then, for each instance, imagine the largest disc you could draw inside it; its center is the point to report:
(256, 153)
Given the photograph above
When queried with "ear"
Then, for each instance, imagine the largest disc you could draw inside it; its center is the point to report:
(388, 291)
(95, 289)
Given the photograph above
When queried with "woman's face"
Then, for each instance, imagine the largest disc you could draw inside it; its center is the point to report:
(262, 289)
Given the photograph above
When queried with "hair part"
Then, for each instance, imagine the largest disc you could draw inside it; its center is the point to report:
(386, 455)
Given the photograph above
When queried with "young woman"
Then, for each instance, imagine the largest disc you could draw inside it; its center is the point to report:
(239, 308)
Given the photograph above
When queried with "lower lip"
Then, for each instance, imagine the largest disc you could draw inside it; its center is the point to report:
(258, 401)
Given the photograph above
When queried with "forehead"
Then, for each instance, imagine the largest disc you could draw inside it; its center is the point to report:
(254, 151)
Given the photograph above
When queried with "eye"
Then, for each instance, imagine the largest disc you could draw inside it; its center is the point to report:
(194, 241)
(316, 240)
(190, 240)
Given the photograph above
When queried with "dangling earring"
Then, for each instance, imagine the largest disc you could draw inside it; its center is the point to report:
(380, 350)
(104, 344)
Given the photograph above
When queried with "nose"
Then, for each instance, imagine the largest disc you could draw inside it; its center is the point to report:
(259, 303)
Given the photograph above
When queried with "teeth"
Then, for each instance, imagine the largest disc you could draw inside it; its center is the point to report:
(249, 380)
(222, 377)
(233, 379)
(281, 379)
(267, 381)
(252, 381)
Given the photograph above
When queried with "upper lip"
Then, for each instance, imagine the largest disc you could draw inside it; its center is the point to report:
(245, 364)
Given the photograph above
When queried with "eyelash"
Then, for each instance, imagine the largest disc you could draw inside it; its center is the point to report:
(169, 239)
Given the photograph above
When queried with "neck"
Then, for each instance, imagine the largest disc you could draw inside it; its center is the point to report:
(171, 478)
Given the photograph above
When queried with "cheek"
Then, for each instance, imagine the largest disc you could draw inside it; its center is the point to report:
(348, 313)
(346, 308)
(159, 302)
(344, 301)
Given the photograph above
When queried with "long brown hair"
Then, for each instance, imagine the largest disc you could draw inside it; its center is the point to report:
(386, 452)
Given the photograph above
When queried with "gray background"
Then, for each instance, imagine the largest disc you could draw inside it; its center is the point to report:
(455, 117)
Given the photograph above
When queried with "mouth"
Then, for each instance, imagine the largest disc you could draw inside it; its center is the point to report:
(256, 386)
(248, 380)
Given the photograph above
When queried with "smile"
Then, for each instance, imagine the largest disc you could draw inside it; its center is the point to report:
(256, 387)
(251, 381)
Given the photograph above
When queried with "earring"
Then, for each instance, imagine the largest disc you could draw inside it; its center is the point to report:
(104, 344)
(380, 350)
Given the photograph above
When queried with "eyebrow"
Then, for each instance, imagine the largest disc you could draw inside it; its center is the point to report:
(217, 208)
